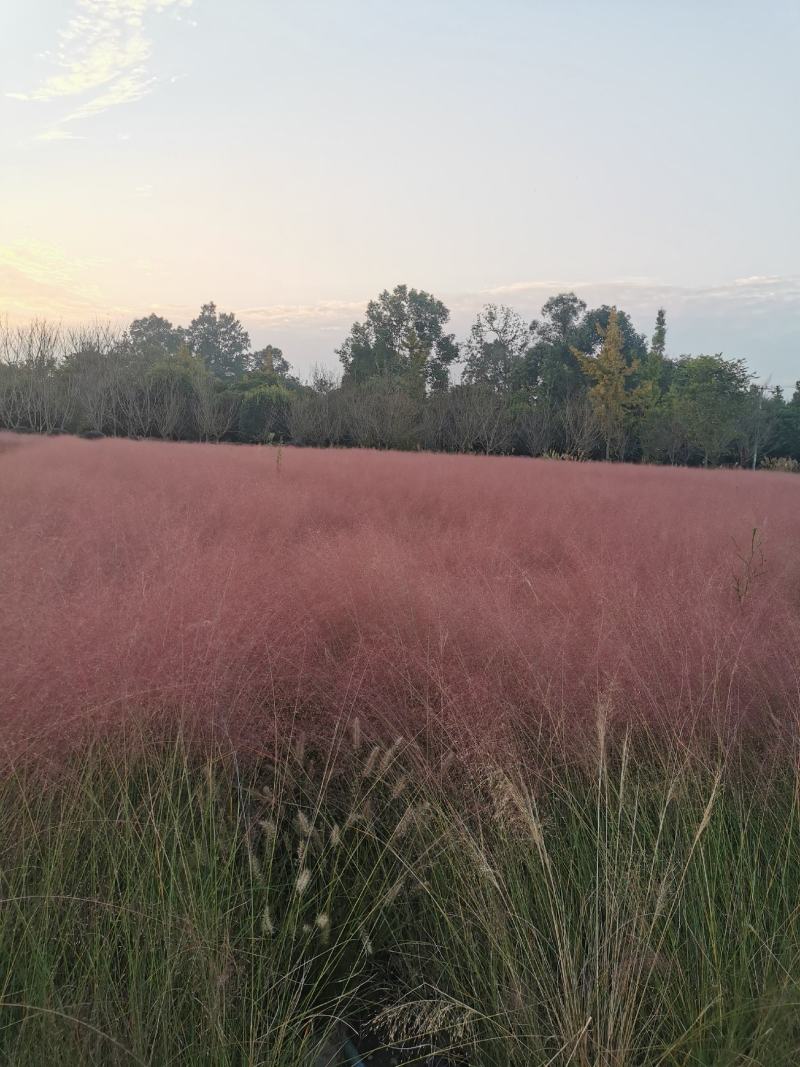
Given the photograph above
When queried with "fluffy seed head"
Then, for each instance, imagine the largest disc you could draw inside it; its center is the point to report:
(267, 926)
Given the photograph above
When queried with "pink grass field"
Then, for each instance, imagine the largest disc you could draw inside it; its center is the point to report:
(212, 581)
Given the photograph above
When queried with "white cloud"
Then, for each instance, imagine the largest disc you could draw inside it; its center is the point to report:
(754, 291)
(752, 318)
(42, 262)
(38, 279)
(124, 90)
(741, 297)
(103, 50)
(326, 311)
(58, 134)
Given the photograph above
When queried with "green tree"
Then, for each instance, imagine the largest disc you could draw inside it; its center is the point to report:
(402, 339)
(496, 349)
(264, 412)
(655, 366)
(552, 371)
(270, 367)
(271, 360)
(633, 345)
(658, 346)
(264, 397)
(709, 393)
(172, 385)
(155, 337)
(220, 340)
(786, 440)
(653, 427)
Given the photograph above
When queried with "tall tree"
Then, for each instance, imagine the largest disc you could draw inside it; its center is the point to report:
(709, 393)
(496, 349)
(561, 316)
(655, 367)
(173, 385)
(658, 346)
(653, 427)
(760, 411)
(154, 337)
(220, 340)
(271, 360)
(633, 345)
(787, 428)
(609, 371)
(403, 339)
(552, 371)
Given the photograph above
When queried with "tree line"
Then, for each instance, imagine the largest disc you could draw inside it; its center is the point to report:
(576, 382)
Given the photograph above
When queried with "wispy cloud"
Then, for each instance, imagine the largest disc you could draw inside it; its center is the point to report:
(741, 297)
(753, 292)
(58, 134)
(319, 314)
(124, 90)
(103, 55)
(40, 280)
(752, 317)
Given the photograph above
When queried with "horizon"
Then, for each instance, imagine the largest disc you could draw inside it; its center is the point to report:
(636, 161)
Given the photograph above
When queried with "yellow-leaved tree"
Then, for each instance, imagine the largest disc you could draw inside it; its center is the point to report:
(609, 394)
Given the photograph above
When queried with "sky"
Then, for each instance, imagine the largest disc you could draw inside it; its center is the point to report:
(290, 159)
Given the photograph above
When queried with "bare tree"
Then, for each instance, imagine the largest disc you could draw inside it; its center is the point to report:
(315, 419)
(94, 365)
(480, 419)
(756, 425)
(214, 411)
(580, 425)
(535, 429)
(136, 396)
(34, 394)
(436, 428)
(379, 414)
(168, 405)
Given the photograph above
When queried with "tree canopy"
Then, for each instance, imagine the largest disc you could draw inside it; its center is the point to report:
(401, 339)
(576, 381)
(220, 340)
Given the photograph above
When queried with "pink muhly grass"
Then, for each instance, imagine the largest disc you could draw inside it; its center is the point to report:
(198, 581)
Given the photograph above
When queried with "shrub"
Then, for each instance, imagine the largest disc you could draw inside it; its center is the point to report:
(781, 463)
(264, 413)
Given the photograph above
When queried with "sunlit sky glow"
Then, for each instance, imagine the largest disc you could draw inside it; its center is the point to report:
(291, 159)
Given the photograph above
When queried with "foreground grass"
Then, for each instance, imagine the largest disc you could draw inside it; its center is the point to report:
(178, 905)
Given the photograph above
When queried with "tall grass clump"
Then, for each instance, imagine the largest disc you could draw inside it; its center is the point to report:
(164, 902)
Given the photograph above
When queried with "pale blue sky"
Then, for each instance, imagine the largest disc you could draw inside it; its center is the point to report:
(289, 160)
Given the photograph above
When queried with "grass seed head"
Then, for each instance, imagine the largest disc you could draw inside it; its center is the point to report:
(372, 759)
(303, 881)
(323, 924)
(355, 731)
(302, 823)
(389, 757)
(267, 925)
